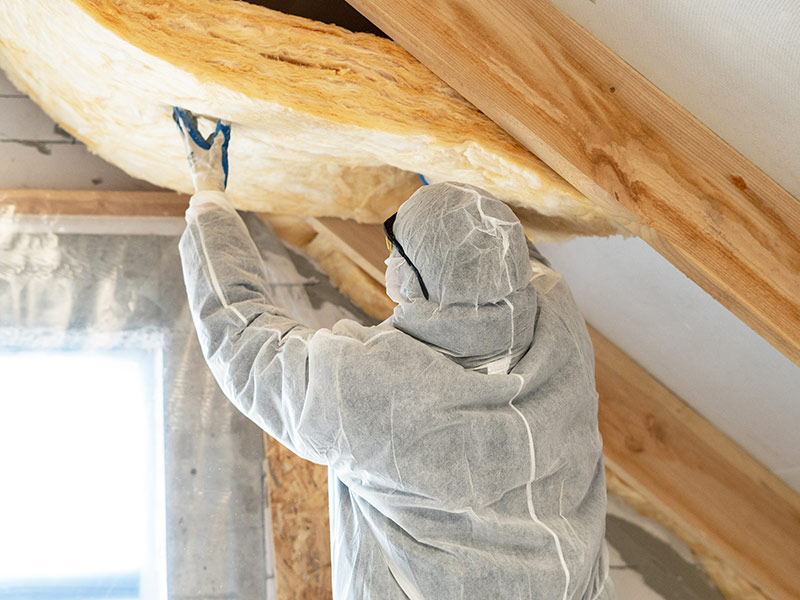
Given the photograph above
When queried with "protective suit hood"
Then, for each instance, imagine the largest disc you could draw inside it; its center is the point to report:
(471, 252)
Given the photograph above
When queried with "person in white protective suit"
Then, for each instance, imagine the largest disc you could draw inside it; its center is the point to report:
(460, 434)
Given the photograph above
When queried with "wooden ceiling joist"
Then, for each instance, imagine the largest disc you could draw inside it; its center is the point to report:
(359, 243)
(734, 513)
(622, 142)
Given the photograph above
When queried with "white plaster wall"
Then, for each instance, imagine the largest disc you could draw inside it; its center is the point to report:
(35, 154)
(736, 66)
(690, 343)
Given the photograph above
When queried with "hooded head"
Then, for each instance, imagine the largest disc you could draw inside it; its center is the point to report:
(472, 255)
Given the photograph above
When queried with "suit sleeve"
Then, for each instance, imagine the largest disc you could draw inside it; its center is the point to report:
(258, 355)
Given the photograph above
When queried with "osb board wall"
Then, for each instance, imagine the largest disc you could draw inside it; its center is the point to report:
(298, 499)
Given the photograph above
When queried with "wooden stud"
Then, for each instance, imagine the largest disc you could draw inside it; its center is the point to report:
(365, 245)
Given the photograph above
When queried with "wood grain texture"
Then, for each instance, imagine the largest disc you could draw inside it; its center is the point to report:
(620, 141)
(351, 280)
(697, 481)
(732, 583)
(93, 203)
(298, 498)
(325, 122)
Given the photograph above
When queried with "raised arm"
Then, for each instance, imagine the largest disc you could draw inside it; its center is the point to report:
(258, 355)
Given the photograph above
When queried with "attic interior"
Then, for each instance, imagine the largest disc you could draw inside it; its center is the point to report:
(696, 355)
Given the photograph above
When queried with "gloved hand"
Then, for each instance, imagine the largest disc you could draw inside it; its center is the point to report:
(208, 157)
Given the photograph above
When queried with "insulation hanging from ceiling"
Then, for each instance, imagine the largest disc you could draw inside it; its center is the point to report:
(326, 122)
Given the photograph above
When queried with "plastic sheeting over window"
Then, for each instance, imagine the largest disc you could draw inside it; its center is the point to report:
(111, 293)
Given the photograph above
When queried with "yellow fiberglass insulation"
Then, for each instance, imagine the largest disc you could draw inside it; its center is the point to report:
(326, 122)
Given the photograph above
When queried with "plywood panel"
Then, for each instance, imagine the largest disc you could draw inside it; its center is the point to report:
(298, 498)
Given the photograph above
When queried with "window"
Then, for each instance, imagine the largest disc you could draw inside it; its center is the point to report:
(81, 470)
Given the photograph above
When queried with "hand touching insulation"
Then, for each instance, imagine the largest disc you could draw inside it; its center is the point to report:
(207, 156)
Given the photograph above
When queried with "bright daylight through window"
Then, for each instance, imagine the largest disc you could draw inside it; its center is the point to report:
(81, 513)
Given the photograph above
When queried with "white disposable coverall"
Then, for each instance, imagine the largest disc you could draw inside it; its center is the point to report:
(461, 435)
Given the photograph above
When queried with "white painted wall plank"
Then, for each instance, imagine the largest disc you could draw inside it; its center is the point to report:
(791, 475)
(66, 167)
(22, 119)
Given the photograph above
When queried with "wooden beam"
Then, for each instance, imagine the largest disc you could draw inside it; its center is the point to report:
(620, 141)
(365, 245)
(694, 479)
(712, 493)
(97, 203)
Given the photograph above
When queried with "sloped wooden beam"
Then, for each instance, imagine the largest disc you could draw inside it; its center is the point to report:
(695, 479)
(364, 245)
(620, 141)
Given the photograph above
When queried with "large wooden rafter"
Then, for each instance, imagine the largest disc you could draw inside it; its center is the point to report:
(620, 141)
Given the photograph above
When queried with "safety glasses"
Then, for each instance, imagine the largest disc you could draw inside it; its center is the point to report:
(391, 241)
